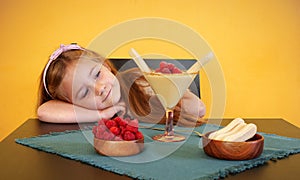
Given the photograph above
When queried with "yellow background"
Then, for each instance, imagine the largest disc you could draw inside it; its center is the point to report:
(257, 44)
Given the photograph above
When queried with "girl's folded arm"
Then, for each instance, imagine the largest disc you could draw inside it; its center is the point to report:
(56, 111)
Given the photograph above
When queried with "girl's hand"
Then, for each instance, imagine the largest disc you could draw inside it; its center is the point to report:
(109, 112)
(191, 109)
(192, 105)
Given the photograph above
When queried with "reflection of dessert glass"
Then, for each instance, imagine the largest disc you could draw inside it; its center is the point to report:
(169, 88)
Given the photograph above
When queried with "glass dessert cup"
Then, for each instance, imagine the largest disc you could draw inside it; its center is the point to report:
(169, 89)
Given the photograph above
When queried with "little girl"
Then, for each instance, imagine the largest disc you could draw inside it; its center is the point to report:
(78, 85)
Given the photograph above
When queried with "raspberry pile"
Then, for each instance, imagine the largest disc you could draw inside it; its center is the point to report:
(117, 129)
(168, 68)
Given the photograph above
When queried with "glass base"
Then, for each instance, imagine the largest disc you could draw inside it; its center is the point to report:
(164, 138)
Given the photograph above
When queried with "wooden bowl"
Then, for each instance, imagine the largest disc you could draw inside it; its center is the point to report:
(118, 148)
(250, 149)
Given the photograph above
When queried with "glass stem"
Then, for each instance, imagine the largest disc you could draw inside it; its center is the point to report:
(169, 131)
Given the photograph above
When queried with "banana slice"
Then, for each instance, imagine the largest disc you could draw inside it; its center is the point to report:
(233, 131)
(243, 134)
(227, 128)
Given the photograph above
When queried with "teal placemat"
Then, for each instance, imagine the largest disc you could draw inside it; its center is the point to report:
(182, 160)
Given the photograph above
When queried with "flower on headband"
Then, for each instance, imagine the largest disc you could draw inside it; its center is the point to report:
(54, 56)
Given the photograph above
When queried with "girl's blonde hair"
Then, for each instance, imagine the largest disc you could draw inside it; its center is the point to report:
(142, 105)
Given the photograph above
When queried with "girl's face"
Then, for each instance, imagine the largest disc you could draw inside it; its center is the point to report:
(91, 85)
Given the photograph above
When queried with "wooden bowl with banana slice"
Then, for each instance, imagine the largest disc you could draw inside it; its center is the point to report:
(236, 141)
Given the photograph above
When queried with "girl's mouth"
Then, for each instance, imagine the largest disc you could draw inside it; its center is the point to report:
(107, 95)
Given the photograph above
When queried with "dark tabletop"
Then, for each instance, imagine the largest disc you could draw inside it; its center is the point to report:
(21, 162)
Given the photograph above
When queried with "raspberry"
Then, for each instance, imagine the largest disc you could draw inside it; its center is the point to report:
(157, 70)
(110, 123)
(118, 138)
(165, 71)
(99, 135)
(131, 129)
(139, 135)
(108, 136)
(171, 66)
(118, 119)
(176, 70)
(128, 136)
(102, 122)
(134, 123)
(115, 130)
(123, 123)
(167, 68)
(122, 129)
(101, 128)
(127, 119)
(163, 64)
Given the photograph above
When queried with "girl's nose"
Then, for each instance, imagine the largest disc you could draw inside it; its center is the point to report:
(99, 89)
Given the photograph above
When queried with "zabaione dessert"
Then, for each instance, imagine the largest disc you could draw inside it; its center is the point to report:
(169, 83)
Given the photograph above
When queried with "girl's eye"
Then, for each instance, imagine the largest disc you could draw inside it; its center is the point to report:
(98, 74)
(85, 93)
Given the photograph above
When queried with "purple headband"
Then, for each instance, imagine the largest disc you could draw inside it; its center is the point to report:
(54, 56)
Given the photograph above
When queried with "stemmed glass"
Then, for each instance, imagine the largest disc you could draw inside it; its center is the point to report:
(169, 88)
